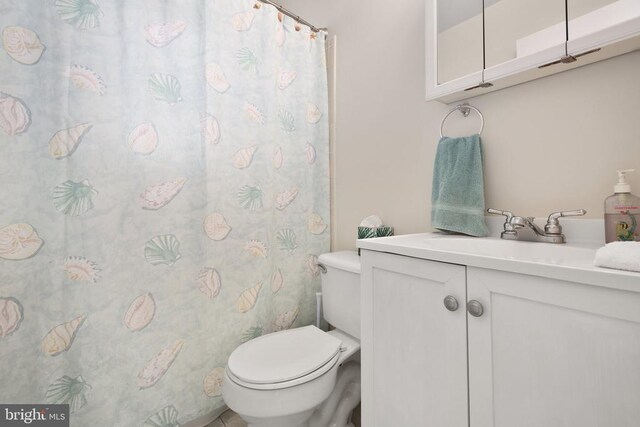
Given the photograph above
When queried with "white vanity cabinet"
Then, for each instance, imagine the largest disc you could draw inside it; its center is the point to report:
(543, 352)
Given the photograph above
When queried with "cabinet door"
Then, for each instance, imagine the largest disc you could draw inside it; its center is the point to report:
(549, 353)
(414, 358)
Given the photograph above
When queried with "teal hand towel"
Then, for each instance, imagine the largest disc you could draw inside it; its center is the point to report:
(457, 196)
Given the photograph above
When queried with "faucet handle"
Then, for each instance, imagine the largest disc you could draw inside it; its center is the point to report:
(508, 214)
(553, 225)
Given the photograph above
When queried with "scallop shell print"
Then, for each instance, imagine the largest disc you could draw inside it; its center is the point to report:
(209, 282)
(250, 197)
(285, 198)
(155, 368)
(80, 269)
(247, 299)
(285, 320)
(11, 315)
(254, 114)
(216, 78)
(22, 45)
(64, 142)
(212, 383)
(143, 139)
(19, 241)
(162, 250)
(15, 117)
(276, 281)
(243, 157)
(287, 240)
(166, 417)
(161, 34)
(310, 152)
(140, 312)
(278, 159)
(247, 60)
(73, 198)
(216, 227)
(316, 224)
(251, 333)
(82, 14)
(61, 337)
(256, 249)
(285, 78)
(159, 195)
(311, 265)
(84, 78)
(313, 113)
(165, 87)
(67, 390)
(210, 129)
(287, 122)
(242, 21)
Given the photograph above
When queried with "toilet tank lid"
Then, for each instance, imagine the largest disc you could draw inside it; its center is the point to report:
(343, 260)
(283, 356)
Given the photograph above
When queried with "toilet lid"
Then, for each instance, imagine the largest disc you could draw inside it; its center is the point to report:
(283, 356)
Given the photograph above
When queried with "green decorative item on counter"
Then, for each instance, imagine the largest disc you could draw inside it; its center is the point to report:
(366, 232)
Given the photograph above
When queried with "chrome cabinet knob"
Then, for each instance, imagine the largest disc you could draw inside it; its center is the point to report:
(451, 303)
(475, 308)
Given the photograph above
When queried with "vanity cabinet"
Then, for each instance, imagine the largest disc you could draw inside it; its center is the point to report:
(519, 41)
(540, 352)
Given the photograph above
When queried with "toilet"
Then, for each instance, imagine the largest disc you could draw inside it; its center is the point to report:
(304, 377)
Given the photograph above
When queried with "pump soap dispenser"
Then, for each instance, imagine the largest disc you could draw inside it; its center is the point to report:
(621, 211)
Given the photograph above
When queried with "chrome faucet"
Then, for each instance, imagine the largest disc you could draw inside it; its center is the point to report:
(523, 228)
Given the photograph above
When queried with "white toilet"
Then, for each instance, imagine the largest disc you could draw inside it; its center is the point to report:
(304, 377)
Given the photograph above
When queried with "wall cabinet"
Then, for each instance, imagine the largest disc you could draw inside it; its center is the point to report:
(543, 352)
(520, 40)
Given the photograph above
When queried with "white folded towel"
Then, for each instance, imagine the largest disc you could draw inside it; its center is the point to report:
(619, 255)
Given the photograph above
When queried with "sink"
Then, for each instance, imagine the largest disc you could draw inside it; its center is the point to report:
(514, 250)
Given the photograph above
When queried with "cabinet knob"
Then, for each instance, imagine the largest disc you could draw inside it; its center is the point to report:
(475, 308)
(451, 303)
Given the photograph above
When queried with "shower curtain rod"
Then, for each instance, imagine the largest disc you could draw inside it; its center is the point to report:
(292, 15)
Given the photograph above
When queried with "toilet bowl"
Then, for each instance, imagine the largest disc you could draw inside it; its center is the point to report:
(304, 377)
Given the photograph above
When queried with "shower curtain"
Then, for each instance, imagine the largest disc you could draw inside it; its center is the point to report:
(164, 194)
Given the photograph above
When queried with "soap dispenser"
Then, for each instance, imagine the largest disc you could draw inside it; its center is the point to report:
(621, 211)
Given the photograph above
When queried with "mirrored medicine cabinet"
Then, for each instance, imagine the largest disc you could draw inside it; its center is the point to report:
(478, 46)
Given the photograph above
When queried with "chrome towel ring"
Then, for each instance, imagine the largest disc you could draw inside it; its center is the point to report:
(465, 110)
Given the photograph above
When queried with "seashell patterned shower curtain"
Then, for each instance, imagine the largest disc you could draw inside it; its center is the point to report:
(164, 196)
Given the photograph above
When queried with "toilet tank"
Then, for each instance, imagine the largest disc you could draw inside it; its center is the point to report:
(341, 290)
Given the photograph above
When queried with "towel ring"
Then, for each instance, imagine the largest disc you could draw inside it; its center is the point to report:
(464, 109)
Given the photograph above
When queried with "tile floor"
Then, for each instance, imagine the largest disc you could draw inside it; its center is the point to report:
(228, 419)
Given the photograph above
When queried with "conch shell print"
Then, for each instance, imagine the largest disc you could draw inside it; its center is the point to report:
(67, 390)
(143, 139)
(285, 78)
(216, 227)
(158, 366)
(61, 337)
(247, 299)
(162, 250)
(80, 269)
(84, 78)
(11, 314)
(140, 312)
(242, 21)
(209, 282)
(22, 45)
(160, 35)
(15, 117)
(216, 78)
(278, 159)
(310, 152)
(210, 129)
(73, 198)
(212, 383)
(82, 14)
(243, 157)
(313, 113)
(285, 320)
(166, 417)
(159, 195)
(316, 224)
(285, 198)
(19, 241)
(276, 281)
(311, 265)
(65, 141)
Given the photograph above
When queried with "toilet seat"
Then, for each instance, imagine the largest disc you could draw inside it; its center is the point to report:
(284, 359)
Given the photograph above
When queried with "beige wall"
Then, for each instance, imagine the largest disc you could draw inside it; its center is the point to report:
(550, 144)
